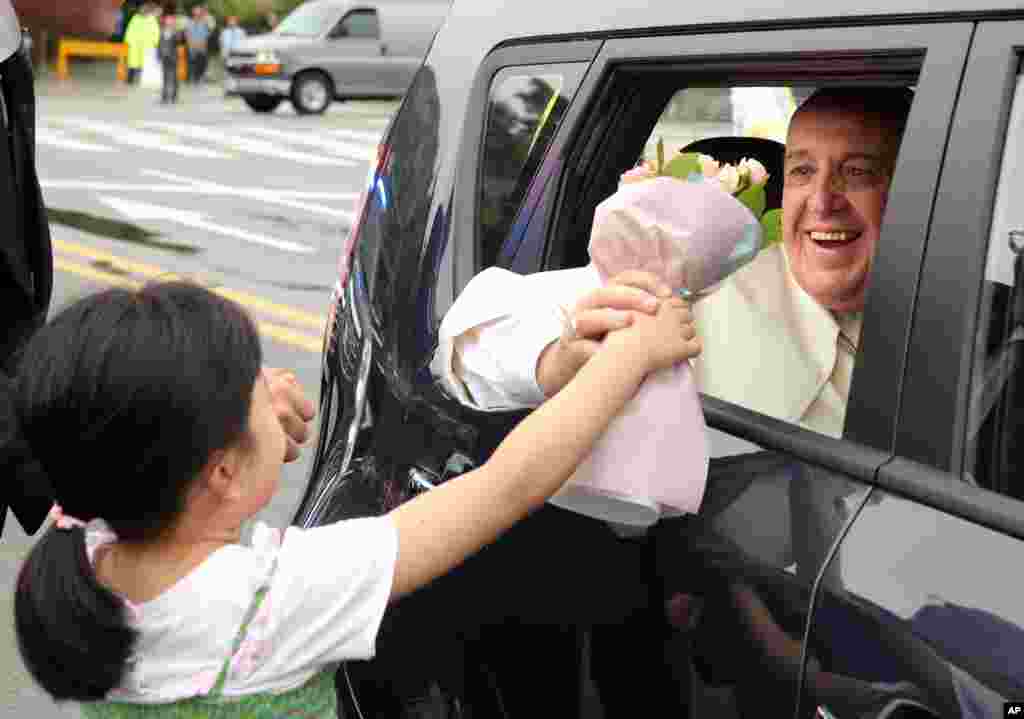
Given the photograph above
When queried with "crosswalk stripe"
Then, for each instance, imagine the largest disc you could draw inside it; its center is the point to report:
(371, 137)
(345, 149)
(179, 189)
(256, 147)
(267, 195)
(55, 138)
(137, 138)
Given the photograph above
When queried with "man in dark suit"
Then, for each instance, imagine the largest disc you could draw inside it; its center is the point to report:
(26, 268)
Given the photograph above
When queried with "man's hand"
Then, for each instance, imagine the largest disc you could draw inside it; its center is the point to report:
(596, 314)
(294, 410)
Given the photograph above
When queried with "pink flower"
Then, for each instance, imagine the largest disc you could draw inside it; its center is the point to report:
(729, 179)
(638, 174)
(756, 171)
(709, 166)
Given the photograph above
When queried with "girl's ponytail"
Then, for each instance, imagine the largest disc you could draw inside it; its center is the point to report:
(72, 632)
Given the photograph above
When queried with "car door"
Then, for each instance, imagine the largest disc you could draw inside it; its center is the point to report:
(917, 614)
(730, 588)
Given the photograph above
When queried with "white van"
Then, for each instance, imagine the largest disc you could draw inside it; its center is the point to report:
(334, 49)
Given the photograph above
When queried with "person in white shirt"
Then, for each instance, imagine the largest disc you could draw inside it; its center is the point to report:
(796, 307)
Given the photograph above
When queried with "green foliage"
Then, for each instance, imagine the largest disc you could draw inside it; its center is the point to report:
(249, 12)
(754, 198)
(771, 225)
(682, 166)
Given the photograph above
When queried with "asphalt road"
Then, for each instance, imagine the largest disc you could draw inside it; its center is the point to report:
(254, 205)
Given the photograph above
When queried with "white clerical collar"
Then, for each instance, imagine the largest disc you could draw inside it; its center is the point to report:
(10, 30)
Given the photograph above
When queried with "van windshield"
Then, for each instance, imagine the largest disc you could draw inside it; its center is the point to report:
(309, 20)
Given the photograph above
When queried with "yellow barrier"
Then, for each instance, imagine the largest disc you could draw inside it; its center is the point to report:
(90, 48)
(69, 47)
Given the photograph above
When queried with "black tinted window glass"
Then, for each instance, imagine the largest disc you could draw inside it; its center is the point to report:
(523, 111)
(359, 23)
(995, 417)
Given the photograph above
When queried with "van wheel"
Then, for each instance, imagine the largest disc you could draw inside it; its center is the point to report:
(312, 93)
(262, 103)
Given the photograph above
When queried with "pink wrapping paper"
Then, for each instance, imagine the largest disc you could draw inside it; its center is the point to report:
(653, 458)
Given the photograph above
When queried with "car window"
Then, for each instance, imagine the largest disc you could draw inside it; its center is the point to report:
(524, 108)
(358, 23)
(790, 292)
(995, 425)
(308, 20)
(698, 112)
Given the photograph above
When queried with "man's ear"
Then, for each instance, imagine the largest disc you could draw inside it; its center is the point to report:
(222, 474)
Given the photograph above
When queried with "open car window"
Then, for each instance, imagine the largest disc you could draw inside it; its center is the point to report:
(995, 425)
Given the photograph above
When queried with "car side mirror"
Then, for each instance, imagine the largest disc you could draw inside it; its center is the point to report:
(338, 32)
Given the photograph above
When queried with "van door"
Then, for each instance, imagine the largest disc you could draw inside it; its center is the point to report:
(353, 54)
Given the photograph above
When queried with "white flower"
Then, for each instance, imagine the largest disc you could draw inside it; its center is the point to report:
(709, 166)
(755, 170)
(729, 179)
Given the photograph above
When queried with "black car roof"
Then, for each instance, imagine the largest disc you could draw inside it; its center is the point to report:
(502, 20)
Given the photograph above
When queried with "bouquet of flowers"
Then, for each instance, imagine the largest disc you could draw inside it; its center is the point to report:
(693, 222)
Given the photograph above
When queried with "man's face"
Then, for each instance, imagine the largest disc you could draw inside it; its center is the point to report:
(95, 16)
(838, 166)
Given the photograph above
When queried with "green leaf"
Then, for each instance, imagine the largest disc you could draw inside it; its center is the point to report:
(754, 198)
(682, 166)
(771, 225)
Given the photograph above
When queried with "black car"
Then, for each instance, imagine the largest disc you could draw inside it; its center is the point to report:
(872, 575)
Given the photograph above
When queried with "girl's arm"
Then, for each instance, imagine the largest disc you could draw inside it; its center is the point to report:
(439, 529)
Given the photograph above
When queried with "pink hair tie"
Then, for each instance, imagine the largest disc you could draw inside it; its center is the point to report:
(64, 521)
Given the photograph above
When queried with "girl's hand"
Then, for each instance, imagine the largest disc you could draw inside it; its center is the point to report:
(600, 311)
(661, 341)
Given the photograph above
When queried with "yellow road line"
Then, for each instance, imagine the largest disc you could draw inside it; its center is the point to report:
(277, 332)
(95, 275)
(245, 299)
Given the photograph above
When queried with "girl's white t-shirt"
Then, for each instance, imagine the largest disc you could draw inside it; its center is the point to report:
(327, 590)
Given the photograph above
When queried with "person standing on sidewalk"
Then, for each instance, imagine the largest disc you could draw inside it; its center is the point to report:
(197, 35)
(142, 36)
(167, 49)
(230, 37)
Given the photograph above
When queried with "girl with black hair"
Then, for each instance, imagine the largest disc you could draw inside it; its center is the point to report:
(141, 600)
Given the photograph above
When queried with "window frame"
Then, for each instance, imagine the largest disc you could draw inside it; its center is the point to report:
(570, 75)
(933, 421)
(465, 209)
(942, 47)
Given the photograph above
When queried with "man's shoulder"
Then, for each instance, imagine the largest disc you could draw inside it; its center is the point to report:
(759, 285)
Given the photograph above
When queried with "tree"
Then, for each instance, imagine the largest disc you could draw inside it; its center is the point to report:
(249, 12)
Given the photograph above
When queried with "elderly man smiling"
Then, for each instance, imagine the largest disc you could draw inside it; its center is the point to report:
(793, 314)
